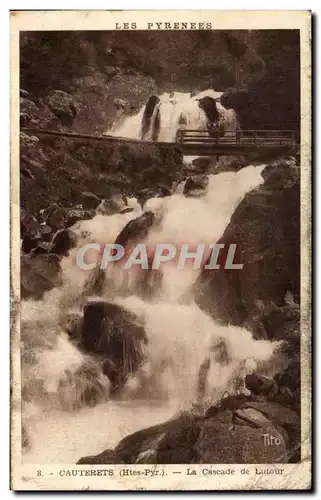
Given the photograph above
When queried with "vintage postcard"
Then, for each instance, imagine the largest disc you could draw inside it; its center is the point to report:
(161, 250)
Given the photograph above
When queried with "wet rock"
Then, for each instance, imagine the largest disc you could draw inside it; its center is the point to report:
(201, 163)
(39, 274)
(106, 457)
(228, 403)
(64, 106)
(164, 191)
(89, 200)
(176, 447)
(133, 445)
(86, 386)
(259, 384)
(208, 105)
(63, 241)
(196, 185)
(228, 164)
(114, 333)
(127, 210)
(136, 229)
(169, 442)
(145, 194)
(73, 324)
(112, 206)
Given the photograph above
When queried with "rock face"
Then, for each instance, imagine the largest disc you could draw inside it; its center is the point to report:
(266, 228)
(234, 433)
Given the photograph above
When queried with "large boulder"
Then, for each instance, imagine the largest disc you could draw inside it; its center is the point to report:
(117, 336)
(63, 241)
(266, 228)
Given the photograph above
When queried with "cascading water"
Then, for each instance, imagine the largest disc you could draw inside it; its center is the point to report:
(67, 410)
(161, 118)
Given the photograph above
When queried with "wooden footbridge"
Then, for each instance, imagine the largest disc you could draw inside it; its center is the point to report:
(242, 142)
(205, 142)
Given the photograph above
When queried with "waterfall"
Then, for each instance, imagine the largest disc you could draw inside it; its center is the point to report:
(163, 115)
(67, 407)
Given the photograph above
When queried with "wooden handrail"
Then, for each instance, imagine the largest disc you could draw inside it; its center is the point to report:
(190, 137)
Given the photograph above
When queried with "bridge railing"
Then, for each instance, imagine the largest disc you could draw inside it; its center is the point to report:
(254, 138)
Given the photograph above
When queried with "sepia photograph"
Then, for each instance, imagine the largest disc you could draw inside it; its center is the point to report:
(160, 250)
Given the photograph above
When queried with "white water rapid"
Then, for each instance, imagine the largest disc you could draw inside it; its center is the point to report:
(175, 110)
(59, 423)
